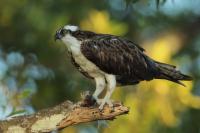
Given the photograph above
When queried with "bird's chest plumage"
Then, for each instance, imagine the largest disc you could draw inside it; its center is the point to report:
(86, 65)
(81, 62)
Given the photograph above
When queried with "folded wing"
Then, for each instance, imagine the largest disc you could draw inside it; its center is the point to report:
(118, 56)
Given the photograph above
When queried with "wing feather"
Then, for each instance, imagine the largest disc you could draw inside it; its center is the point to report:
(117, 56)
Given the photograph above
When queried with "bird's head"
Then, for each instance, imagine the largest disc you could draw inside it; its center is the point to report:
(66, 32)
(70, 33)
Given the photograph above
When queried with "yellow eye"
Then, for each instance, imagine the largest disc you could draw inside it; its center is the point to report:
(64, 32)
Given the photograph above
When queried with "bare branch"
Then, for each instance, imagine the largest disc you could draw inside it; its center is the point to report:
(61, 116)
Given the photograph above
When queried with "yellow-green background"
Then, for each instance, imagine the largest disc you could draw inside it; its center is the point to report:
(169, 30)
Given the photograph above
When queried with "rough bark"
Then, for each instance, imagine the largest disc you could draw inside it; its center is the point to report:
(61, 116)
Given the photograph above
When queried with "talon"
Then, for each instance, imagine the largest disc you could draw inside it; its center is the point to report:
(100, 110)
(97, 100)
(102, 105)
(112, 108)
(110, 104)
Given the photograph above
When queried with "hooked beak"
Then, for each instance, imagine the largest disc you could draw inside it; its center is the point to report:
(57, 36)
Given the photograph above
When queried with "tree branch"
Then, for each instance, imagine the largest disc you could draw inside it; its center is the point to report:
(61, 116)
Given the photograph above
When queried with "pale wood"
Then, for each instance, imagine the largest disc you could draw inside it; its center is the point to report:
(61, 116)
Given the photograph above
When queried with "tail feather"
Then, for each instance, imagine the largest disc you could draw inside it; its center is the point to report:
(170, 72)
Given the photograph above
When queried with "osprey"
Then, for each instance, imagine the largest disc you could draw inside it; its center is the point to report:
(112, 60)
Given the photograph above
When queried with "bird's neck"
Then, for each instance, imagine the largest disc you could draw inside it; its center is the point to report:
(73, 45)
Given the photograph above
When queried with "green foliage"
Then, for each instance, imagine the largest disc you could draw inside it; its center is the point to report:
(170, 34)
(160, 2)
(25, 94)
(16, 112)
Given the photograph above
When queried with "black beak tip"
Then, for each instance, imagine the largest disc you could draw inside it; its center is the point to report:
(57, 36)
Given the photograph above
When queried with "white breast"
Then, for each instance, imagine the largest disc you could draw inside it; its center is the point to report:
(73, 46)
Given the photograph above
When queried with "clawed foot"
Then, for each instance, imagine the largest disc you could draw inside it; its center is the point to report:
(102, 102)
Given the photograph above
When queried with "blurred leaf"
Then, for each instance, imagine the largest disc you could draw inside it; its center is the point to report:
(24, 94)
(102, 18)
(16, 112)
(131, 1)
(160, 2)
(128, 2)
(157, 3)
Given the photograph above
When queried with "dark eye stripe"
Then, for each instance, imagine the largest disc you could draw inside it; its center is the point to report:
(69, 31)
(65, 31)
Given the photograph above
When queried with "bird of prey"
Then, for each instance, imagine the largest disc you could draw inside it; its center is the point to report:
(113, 60)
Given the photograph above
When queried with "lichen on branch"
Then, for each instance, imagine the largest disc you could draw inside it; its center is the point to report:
(61, 116)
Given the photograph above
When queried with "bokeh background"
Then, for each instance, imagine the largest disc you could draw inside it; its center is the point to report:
(35, 71)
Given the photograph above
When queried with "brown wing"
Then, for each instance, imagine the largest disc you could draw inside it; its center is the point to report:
(118, 56)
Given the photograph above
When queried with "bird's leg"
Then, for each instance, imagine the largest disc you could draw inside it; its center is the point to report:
(100, 85)
(111, 80)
